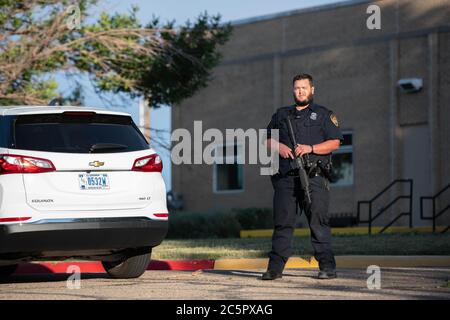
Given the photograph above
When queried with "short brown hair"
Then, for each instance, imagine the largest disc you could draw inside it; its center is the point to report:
(303, 76)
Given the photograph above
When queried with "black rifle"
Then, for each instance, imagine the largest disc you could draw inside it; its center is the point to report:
(300, 166)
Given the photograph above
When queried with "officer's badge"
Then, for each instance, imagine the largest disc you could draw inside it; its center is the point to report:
(334, 119)
(313, 116)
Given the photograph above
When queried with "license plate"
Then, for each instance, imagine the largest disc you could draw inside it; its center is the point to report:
(91, 181)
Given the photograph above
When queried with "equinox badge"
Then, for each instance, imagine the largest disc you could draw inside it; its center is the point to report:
(96, 163)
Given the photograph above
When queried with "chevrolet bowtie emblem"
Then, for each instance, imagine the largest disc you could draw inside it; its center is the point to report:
(96, 164)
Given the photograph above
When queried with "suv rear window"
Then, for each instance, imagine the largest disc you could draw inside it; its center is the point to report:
(77, 133)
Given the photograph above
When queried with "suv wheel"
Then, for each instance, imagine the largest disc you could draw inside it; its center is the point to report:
(8, 270)
(131, 267)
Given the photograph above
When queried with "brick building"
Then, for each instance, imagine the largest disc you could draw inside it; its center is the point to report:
(390, 133)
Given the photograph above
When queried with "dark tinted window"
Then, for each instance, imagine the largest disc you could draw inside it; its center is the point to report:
(77, 133)
(229, 177)
(5, 130)
(348, 137)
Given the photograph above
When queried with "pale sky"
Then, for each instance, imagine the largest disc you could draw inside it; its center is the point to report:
(230, 10)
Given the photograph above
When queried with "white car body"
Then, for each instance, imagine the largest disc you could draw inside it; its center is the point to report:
(117, 211)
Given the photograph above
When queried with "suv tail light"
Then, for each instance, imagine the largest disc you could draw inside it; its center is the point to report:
(19, 219)
(152, 163)
(11, 163)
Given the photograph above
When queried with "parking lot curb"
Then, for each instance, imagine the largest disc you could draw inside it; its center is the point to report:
(60, 267)
(341, 262)
(242, 264)
(96, 267)
(294, 262)
(181, 265)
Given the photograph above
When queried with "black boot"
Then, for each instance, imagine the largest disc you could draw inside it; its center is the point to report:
(327, 274)
(271, 275)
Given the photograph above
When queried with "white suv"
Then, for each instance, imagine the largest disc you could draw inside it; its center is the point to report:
(78, 182)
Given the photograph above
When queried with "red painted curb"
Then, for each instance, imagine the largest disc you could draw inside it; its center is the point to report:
(60, 267)
(96, 267)
(180, 264)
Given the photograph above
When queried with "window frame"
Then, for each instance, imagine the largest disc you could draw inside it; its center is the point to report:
(238, 157)
(346, 149)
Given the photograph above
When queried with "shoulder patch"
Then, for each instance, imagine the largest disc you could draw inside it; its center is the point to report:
(334, 119)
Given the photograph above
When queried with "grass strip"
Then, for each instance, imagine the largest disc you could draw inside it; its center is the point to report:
(380, 244)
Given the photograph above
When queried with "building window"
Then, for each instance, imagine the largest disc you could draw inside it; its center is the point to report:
(228, 169)
(343, 162)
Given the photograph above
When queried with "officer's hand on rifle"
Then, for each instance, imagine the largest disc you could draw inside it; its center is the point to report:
(302, 149)
(285, 151)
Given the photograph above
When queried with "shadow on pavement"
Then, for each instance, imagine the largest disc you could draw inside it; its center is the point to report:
(256, 274)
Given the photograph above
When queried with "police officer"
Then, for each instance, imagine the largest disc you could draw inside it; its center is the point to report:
(317, 135)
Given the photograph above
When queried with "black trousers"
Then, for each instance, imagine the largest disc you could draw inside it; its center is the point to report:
(287, 196)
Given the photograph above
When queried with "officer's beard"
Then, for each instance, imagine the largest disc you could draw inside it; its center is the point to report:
(305, 102)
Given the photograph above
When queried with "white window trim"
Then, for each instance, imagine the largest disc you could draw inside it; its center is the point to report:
(227, 158)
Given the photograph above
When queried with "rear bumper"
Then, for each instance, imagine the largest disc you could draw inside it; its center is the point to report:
(102, 234)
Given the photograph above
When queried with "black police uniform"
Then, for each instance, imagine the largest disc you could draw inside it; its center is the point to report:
(312, 125)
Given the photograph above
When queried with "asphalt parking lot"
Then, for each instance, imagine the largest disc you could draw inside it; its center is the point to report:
(395, 283)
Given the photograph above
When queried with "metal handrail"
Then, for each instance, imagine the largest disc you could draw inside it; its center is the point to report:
(435, 215)
(370, 202)
(389, 205)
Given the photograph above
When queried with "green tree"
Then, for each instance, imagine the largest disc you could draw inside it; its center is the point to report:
(162, 63)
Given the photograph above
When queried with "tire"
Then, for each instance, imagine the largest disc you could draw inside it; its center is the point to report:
(131, 267)
(6, 271)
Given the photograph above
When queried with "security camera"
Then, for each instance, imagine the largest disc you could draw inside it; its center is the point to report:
(410, 85)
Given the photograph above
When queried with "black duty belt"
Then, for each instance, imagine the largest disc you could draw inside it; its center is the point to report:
(294, 173)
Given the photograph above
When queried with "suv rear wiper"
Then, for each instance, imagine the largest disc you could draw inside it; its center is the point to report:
(106, 147)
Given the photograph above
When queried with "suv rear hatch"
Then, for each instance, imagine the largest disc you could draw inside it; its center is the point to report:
(93, 155)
